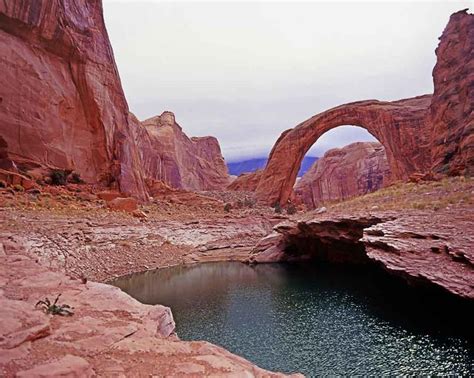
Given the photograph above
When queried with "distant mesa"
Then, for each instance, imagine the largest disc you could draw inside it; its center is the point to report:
(237, 168)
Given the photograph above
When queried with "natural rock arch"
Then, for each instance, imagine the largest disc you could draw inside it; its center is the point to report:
(401, 126)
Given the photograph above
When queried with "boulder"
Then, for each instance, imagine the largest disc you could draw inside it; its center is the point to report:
(108, 195)
(67, 366)
(128, 205)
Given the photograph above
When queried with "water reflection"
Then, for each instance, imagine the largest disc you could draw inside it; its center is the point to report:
(318, 320)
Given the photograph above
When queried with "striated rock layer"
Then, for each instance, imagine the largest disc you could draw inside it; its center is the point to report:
(452, 107)
(419, 134)
(356, 169)
(62, 105)
(433, 249)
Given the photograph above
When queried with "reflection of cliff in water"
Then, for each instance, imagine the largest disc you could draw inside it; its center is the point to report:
(181, 287)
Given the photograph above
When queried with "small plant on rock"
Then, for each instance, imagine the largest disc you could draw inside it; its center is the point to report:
(291, 209)
(249, 202)
(277, 207)
(54, 308)
(18, 188)
(76, 178)
(227, 207)
(58, 177)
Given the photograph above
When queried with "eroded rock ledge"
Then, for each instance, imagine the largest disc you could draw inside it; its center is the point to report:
(110, 333)
(432, 249)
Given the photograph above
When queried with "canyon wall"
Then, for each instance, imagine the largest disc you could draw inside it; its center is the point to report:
(353, 170)
(452, 107)
(61, 100)
(62, 105)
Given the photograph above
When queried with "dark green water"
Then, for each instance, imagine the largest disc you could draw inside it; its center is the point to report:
(317, 320)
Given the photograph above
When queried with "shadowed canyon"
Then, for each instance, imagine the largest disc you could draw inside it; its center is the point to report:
(92, 198)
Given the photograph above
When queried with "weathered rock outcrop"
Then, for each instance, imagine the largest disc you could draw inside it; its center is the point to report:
(356, 169)
(452, 107)
(179, 161)
(246, 182)
(419, 134)
(62, 106)
(61, 100)
(432, 249)
(110, 333)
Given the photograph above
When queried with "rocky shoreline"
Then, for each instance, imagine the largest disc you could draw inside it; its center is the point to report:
(63, 249)
(110, 333)
(420, 247)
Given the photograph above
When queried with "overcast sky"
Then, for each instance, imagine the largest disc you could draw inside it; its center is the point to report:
(246, 71)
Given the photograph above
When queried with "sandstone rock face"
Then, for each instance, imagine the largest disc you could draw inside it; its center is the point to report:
(356, 169)
(61, 100)
(181, 162)
(453, 99)
(399, 125)
(433, 249)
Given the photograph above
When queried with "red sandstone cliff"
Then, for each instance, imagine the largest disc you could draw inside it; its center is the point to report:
(355, 169)
(62, 105)
(452, 107)
(61, 100)
(179, 161)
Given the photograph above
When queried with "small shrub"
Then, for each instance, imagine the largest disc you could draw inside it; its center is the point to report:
(227, 207)
(76, 178)
(277, 207)
(58, 177)
(291, 209)
(3, 184)
(18, 188)
(249, 202)
(54, 308)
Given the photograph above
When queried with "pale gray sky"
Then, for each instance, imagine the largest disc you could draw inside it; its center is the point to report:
(246, 71)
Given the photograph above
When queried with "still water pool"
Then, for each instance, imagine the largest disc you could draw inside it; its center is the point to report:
(313, 319)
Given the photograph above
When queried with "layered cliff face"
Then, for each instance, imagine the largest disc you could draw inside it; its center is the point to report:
(356, 169)
(452, 107)
(61, 100)
(181, 162)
